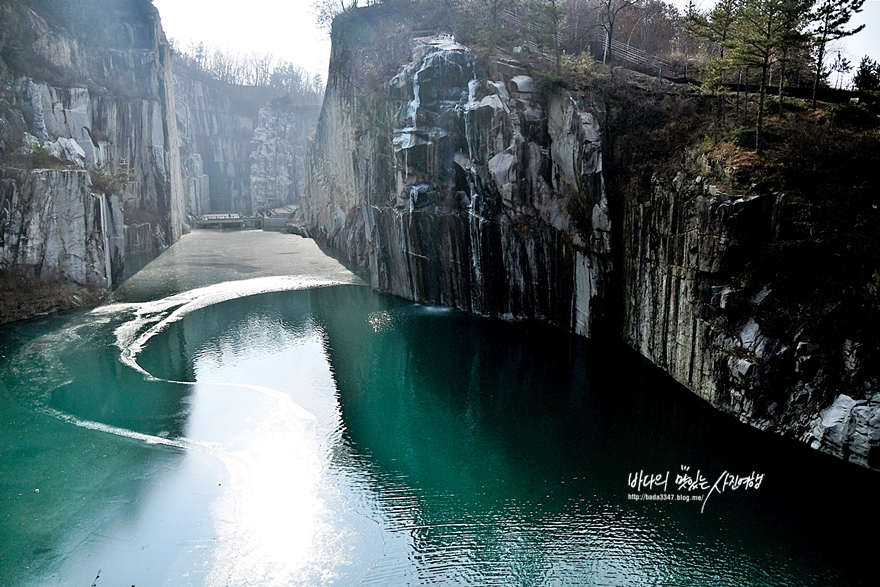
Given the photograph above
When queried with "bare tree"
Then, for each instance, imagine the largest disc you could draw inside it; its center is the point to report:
(494, 8)
(840, 65)
(651, 25)
(609, 11)
(254, 69)
(326, 10)
(580, 21)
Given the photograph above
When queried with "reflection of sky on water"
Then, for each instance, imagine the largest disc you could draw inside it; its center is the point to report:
(332, 436)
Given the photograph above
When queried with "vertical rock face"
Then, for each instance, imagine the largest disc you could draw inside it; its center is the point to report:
(55, 227)
(238, 155)
(697, 304)
(278, 155)
(105, 104)
(461, 188)
(684, 244)
(469, 187)
(216, 149)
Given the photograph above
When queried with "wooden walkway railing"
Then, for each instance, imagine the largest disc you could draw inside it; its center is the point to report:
(661, 67)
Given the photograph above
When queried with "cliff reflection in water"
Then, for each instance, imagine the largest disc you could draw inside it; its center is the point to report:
(332, 435)
(502, 451)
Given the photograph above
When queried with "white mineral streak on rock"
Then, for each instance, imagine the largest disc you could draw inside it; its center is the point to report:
(586, 284)
(54, 226)
(848, 428)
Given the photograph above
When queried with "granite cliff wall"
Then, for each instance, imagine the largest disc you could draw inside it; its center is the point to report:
(461, 187)
(89, 85)
(215, 147)
(708, 297)
(278, 154)
(79, 94)
(468, 186)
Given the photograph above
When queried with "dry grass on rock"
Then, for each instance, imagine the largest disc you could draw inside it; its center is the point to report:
(22, 297)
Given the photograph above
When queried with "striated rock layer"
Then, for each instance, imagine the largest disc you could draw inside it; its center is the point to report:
(467, 186)
(697, 303)
(242, 147)
(215, 145)
(89, 86)
(57, 229)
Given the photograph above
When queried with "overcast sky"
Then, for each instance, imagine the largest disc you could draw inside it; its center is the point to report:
(286, 28)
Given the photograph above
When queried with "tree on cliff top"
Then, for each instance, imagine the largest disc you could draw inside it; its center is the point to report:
(867, 78)
(494, 8)
(609, 11)
(488, 13)
(830, 18)
(763, 32)
(326, 10)
(716, 28)
(547, 17)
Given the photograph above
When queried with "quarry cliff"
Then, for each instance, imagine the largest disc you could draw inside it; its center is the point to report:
(597, 204)
(600, 207)
(86, 87)
(107, 150)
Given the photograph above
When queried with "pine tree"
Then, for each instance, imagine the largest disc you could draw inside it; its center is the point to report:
(867, 78)
(829, 18)
(715, 28)
(763, 29)
(548, 17)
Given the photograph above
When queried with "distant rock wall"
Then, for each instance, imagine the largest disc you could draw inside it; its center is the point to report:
(239, 153)
(90, 86)
(278, 155)
(215, 144)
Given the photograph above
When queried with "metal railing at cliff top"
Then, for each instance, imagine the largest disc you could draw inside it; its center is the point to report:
(624, 51)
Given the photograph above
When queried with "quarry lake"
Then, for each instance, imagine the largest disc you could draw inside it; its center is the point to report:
(303, 430)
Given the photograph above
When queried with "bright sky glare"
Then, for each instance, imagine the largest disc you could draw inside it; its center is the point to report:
(286, 28)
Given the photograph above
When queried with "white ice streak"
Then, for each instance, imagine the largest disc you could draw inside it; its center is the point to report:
(153, 317)
(438, 48)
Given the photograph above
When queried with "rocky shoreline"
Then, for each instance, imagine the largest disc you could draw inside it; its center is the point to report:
(22, 298)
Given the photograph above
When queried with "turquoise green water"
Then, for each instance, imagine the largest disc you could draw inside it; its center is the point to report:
(258, 433)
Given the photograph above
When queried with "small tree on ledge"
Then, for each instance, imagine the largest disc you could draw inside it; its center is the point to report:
(105, 182)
